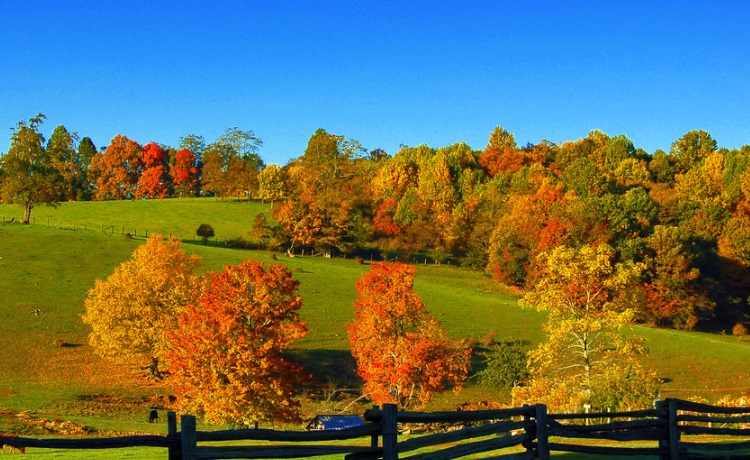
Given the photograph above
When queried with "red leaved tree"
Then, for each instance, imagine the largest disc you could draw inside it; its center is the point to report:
(402, 353)
(117, 170)
(228, 356)
(154, 181)
(185, 173)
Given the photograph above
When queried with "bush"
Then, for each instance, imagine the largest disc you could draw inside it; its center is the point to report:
(205, 231)
(739, 329)
(506, 365)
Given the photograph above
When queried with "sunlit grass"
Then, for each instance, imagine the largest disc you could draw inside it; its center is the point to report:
(47, 271)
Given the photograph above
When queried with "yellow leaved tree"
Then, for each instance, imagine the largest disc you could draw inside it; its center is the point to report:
(132, 310)
(586, 359)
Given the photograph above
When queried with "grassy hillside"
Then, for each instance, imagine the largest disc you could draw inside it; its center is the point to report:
(179, 217)
(49, 369)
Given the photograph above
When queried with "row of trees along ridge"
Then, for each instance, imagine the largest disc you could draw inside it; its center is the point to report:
(683, 214)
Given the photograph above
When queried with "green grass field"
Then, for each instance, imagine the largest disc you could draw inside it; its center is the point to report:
(49, 370)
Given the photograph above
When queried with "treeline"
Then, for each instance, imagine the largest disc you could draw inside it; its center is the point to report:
(684, 214)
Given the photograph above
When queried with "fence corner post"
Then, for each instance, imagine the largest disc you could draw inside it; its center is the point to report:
(174, 445)
(542, 436)
(189, 439)
(390, 432)
(674, 435)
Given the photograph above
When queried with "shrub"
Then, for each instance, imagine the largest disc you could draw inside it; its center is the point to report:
(205, 231)
(739, 329)
(506, 365)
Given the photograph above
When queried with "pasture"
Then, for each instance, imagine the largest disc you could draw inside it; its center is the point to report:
(50, 373)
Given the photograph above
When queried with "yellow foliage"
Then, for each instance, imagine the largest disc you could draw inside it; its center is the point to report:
(132, 310)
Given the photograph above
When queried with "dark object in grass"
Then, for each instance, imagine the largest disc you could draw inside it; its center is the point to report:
(205, 231)
(153, 416)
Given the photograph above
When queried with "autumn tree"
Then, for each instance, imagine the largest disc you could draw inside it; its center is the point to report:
(673, 297)
(228, 358)
(325, 200)
(131, 312)
(402, 353)
(586, 358)
(154, 181)
(28, 172)
(271, 183)
(231, 164)
(117, 169)
(185, 173)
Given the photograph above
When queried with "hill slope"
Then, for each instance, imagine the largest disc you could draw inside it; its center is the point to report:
(49, 368)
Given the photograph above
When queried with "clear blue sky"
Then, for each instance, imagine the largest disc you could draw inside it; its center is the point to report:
(385, 73)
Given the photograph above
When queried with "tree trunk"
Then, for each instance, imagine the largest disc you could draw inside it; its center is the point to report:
(27, 213)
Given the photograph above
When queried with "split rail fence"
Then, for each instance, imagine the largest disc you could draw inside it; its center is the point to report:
(674, 429)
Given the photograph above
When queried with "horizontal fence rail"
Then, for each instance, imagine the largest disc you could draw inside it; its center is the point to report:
(675, 429)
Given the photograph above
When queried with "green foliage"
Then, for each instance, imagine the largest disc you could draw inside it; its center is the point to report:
(205, 231)
(505, 365)
(29, 173)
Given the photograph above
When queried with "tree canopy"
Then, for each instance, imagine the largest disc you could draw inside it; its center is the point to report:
(402, 353)
(133, 310)
(228, 357)
(29, 173)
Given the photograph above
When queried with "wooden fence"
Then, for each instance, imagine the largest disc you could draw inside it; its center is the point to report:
(674, 429)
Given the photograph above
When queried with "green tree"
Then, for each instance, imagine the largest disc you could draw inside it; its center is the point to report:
(62, 147)
(205, 231)
(692, 148)
(505, 365)
(28, 172)
(86, 153)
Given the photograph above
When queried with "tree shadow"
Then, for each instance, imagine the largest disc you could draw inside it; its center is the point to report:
(330, 366)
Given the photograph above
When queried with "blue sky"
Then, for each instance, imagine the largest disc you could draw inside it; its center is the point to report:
(386, 73)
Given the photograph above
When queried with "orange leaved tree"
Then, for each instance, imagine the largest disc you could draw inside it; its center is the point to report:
(228, 358)
(402, 353)
(131, 311)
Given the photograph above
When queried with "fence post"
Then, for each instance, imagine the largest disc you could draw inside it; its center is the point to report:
(674, 435)
(189, 440)
(390, 432)
(542, 436)
(174, 447)
(529, 429)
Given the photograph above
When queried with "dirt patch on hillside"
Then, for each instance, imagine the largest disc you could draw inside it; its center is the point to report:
(24, 423)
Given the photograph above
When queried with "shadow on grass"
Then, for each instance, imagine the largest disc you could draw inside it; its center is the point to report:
(330, 366)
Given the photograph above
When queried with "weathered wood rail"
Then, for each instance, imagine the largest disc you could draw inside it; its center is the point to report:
(675, 429)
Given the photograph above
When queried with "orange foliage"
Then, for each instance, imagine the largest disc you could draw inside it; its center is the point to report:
(495, 160)
(117, 169)
(401, 352)
(153, 182)
(228, 352)
(184, 173)
(383, 221)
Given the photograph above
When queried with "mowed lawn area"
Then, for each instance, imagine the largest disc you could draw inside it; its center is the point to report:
(50, 370)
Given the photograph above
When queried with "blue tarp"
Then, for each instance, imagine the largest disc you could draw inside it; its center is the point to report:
(335, 422)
